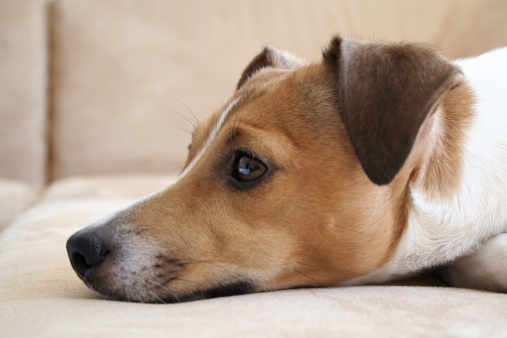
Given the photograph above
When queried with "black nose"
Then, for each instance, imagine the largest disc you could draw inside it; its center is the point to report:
(86, 250)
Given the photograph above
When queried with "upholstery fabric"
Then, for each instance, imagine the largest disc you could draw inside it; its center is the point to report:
(23, 70)
(126, 71)
(41, 296)
(97, 90)
(15, 197)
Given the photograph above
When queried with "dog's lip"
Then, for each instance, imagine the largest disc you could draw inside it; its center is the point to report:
(115, 292)
(225, 290)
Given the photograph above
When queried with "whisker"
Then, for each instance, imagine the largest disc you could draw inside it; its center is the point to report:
(162, 286)
(186, 131)
(304, 274)
(188, 109)
(193, 123)
(148, 284)
(153, 293)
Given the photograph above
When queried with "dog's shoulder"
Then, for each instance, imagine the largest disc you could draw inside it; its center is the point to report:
(487, 74)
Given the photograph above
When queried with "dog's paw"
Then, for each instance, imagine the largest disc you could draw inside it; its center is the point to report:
(486, 269)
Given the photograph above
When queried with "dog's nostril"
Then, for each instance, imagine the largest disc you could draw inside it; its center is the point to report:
(86, 250)
(79, 263)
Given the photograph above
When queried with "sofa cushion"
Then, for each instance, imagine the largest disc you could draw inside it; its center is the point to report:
(370, 311)
(126, 71)
(41, 296)
(32, 249)
(15, 196)
(23, 68)
(105, 187)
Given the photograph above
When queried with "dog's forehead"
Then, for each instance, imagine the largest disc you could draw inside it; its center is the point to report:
(266, 79)
(281, 85)
(265, 101)
(263, 82)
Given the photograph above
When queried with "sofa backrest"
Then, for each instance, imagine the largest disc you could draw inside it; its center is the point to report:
(124, 72)
(23, 89)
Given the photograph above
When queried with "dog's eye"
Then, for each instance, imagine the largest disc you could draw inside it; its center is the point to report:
(247, 168)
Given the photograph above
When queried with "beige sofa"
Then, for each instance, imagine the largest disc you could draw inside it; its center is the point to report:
(93, 97)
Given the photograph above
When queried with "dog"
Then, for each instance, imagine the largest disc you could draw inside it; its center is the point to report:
(378, 162)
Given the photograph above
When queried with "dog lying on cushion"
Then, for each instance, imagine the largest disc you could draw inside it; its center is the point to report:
(377, 162)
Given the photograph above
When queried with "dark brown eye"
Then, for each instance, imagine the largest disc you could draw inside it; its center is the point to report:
(247, 168)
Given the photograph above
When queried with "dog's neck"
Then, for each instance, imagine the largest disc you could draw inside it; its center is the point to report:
(459, 196)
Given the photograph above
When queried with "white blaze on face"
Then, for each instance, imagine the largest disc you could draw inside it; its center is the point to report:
(137, 253)
(211, 138)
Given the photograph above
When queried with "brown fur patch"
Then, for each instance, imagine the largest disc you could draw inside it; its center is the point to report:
(315, 218)
(385, 93)
(443, 170)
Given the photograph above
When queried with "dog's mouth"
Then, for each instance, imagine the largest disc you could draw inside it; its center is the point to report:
(138, 287)
(232, 289)
(150, 296)
(139, 271)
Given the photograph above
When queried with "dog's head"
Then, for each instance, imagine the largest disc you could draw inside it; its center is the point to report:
(299, 180)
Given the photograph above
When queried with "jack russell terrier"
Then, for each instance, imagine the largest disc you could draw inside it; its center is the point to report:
(380, 161)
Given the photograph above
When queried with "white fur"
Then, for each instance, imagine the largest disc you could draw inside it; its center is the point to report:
(485, 269)
(442, 229)
(210, 140)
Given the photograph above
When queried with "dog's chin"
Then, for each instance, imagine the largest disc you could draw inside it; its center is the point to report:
(140, 295)
(226, 290)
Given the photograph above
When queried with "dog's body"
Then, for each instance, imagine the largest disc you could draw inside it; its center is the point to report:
(378, 162)
(445, 225)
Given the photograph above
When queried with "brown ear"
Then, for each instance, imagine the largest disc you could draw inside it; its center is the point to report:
(269, 57)
(385, 92)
